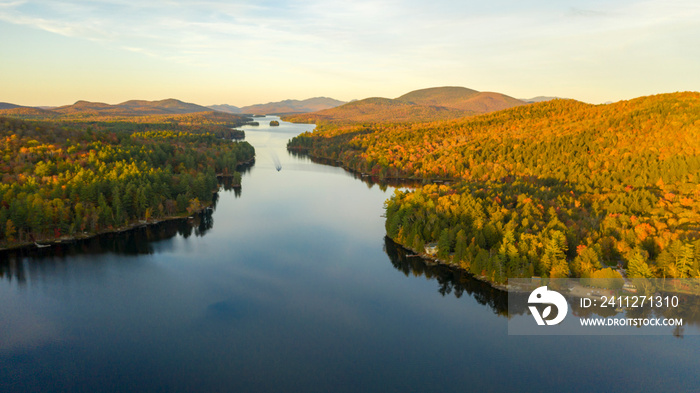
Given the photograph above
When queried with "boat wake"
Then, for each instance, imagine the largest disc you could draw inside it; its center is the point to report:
(276, 161)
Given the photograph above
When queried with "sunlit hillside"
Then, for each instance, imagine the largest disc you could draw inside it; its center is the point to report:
(621, 180)
(461, 98)
(439, 103)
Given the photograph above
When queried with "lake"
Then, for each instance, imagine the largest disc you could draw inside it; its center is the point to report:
(289, 285)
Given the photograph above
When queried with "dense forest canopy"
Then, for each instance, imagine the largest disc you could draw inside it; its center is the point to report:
(558, 188)
(63, 179)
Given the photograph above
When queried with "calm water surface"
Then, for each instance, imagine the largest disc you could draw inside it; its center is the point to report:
(289, 285)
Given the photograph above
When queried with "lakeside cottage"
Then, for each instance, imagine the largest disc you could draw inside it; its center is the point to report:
(431, 249)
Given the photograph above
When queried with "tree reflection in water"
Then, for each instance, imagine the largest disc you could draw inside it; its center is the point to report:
(458, 282)
(450, 280)
(137, 241)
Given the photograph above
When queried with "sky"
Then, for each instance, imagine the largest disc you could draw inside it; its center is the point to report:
(55, 52)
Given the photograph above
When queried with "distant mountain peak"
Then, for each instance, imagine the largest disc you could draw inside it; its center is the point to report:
(437, 93)
(133, 108)
(435, 103)
(461, 98)
(293, 106)
(89, 103)
(225, 108)
(7, 105)
(539, 99)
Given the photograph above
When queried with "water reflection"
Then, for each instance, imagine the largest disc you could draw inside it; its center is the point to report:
(226, 183)
(137, 241)
(450, 280)
(458, 282)
(245, 168)
(369, 180)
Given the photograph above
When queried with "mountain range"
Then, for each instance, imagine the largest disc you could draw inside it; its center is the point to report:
(165, 107)
(225, 108)
(292, 106)
(437, 103)
(87, 108)
(7, 105)
(132, 108)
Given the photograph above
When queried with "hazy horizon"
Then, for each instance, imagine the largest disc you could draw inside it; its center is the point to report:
(241, 54)
(240, 106)
(168, 98)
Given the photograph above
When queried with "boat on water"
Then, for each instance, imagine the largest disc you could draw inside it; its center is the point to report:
(41, 245)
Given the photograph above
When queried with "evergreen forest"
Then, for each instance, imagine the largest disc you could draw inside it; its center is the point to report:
(65, 179)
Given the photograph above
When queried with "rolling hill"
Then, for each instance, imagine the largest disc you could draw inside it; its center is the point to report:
(225, 108)
(292, 106)
(377, 109)
(25, 112)
(439, 96)
(168, 111)
(131, 108)
(7, 105)
(438, 103)
(163, 107)
(87, 107)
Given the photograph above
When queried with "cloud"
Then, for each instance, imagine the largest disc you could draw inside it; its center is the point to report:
(11, 4)
(339, 28)
(576, 12)
(336, 41)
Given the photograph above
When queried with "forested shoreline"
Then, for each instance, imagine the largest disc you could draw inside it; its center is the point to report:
(555, 189)
(64, 180)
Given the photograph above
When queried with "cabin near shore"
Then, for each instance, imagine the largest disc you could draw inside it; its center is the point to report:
(431, 249)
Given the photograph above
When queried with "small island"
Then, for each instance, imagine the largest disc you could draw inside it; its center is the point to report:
(274, 123)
